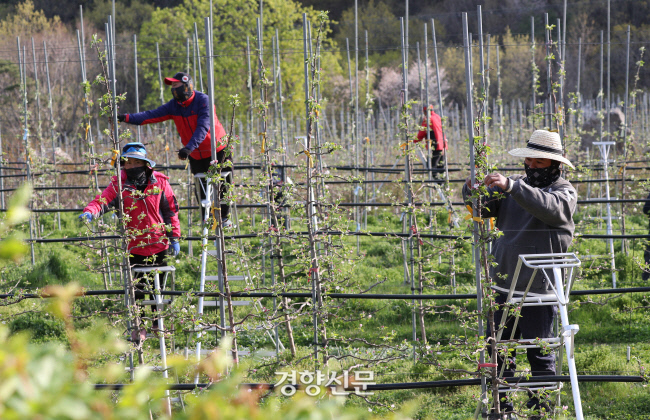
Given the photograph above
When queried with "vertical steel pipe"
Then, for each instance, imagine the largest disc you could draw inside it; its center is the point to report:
(135, 80)
(470, 132)
(198, 54)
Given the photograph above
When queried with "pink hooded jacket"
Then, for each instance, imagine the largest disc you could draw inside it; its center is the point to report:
(148, 214)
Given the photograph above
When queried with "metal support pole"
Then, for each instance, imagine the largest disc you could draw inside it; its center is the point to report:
(499, 101)
(482, 64)
(215, 191)
(407, 177)
(440, 104)
(162, 102)
(609, 70)
(560, 105)
(23, 80)
(367, 143)
(625, 128)
(280, 102)
(310, 210)
(601, 92)
(579, 104)
(52, 131)
(111, 63)
(89, 139)
(262, 123)
(198, 52)
(187, 48)
(350, 130)
(251, 115)
(563, 56)
(534, 84)
(135, 77)
(427, 114)
(604, 147)
(274, 74)
(470, 132)
(547, 32)
(357, 143)
(38, 102)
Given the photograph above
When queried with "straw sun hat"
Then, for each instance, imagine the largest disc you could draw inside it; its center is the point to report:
(543, 145)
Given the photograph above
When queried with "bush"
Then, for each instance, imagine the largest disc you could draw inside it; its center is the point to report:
(41, 327)
(54, 270)
(627, 269)
(599, 359)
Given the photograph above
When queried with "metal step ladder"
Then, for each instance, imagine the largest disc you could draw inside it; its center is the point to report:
(554, 268)
(220, 303)
(604, 148)
(159, 303)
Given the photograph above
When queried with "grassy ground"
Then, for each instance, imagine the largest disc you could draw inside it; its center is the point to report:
(608, 323)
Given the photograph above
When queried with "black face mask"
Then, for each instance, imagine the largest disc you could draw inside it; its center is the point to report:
(542, 177)
(182, 93)
(137, 176)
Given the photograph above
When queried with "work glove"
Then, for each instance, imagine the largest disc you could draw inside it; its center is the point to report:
(183, 153)
(174, 247)
(86, 217)
(121, 117)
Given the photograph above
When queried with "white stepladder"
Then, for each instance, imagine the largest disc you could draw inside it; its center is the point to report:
(604, 148)
(206, 187)
(159, 304)
(558, 265)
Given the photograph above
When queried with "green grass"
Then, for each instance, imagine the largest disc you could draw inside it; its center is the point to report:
(608, 323)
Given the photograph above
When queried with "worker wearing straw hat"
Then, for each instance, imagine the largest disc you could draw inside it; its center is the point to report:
(534, 212)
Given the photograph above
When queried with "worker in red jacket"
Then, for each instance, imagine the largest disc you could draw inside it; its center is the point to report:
(438, 140)
(190, 110)
(150, 211)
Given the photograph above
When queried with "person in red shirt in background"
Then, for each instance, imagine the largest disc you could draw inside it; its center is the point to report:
(438, 140)
(190, 111)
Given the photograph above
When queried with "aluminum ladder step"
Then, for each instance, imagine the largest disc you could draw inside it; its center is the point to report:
(153, 302)
(213, 252)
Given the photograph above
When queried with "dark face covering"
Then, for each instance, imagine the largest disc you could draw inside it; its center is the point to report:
(182, 93)
(137, 176)
(542, 177)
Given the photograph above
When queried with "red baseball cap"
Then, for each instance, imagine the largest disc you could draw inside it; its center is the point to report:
(179, 77)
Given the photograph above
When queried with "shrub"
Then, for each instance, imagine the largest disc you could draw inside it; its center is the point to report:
(54, 270)
(41, 327)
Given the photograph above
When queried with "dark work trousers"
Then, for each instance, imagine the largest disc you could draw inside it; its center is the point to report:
(534, 322)
(144, 284)
(437, 163)
(198, 166)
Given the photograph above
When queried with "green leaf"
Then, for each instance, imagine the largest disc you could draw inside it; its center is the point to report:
(18, 211)
(12, 249)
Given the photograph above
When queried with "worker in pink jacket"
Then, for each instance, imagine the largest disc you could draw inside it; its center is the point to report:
(150, 212)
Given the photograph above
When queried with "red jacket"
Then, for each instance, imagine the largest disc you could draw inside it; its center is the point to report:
(436, 136)
(192, 120)
(149, 214)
